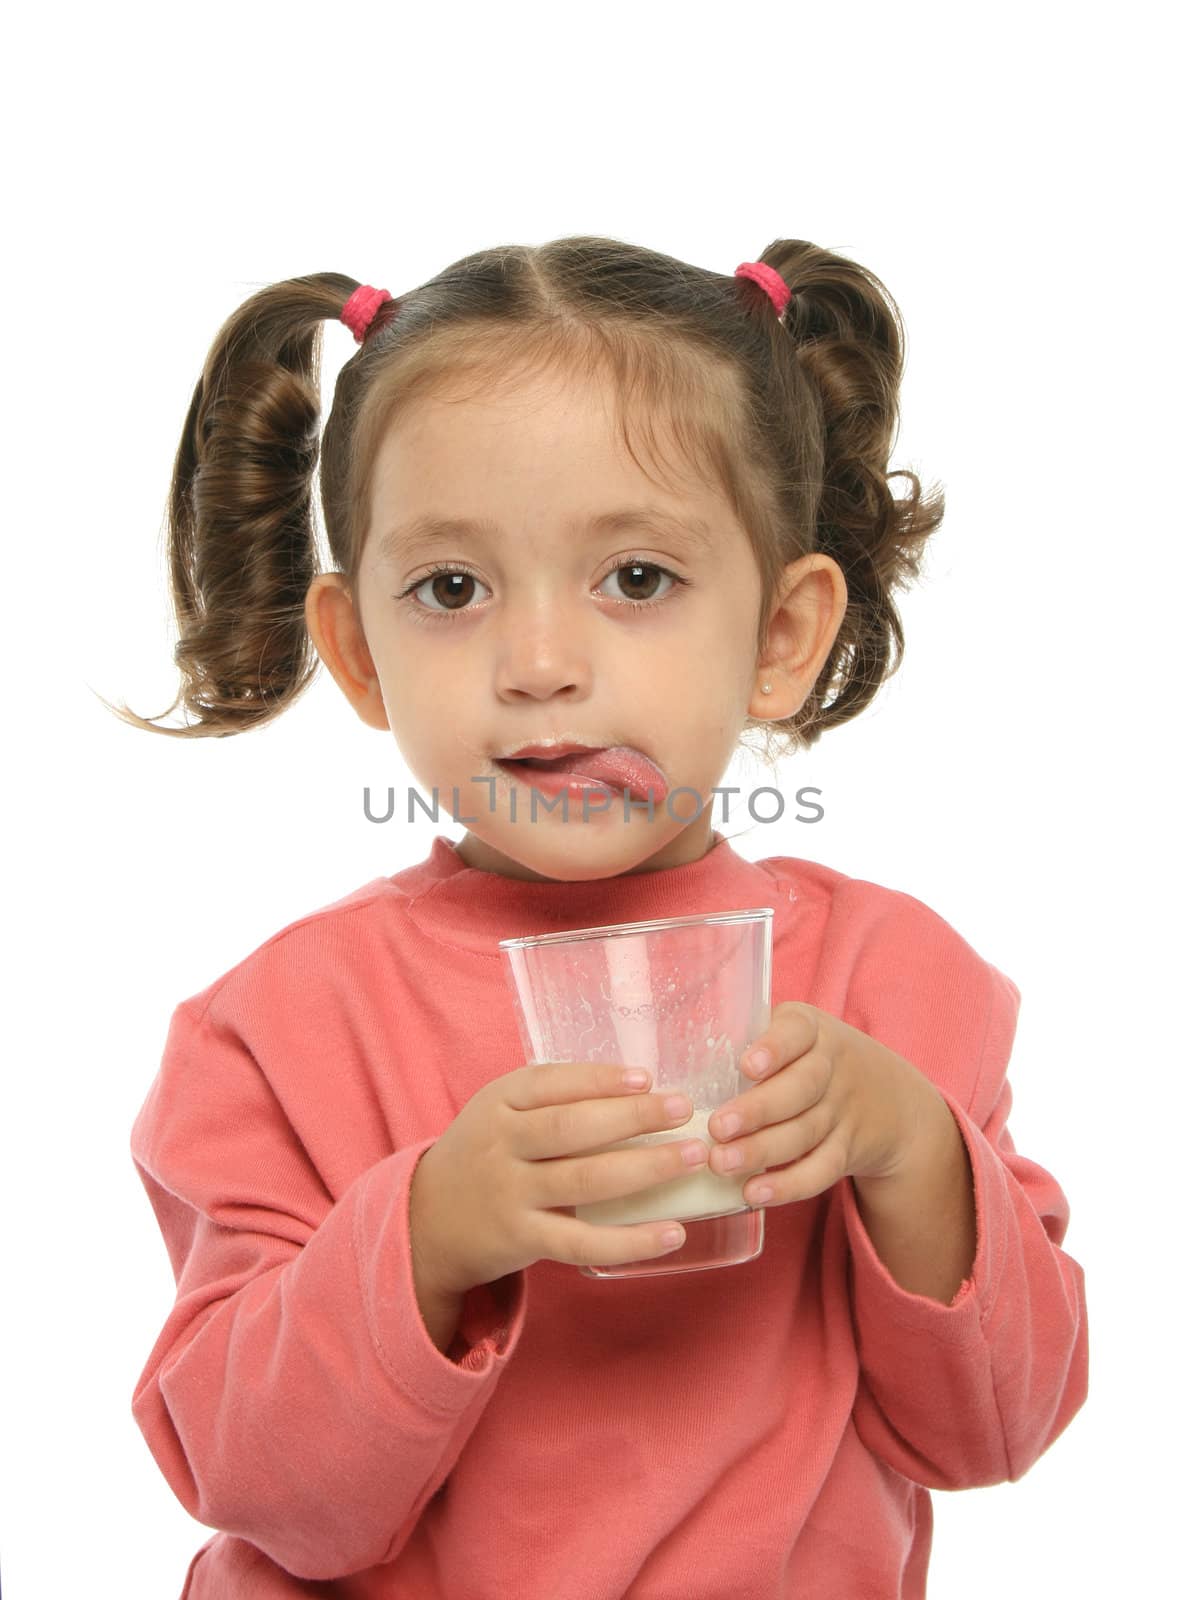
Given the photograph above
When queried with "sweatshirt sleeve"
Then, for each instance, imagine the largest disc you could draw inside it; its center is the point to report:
(294, 1397)
(972, 1393)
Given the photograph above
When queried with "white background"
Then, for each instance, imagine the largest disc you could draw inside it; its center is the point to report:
(1008, 173)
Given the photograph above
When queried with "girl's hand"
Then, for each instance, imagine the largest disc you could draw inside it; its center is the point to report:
(831, 1102)
(487, 1197)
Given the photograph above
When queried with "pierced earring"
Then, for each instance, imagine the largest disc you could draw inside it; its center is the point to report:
(765, 688)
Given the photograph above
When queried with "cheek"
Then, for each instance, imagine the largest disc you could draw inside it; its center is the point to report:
(414, 681)
(417, 712)
(711, 683)
(731, 652)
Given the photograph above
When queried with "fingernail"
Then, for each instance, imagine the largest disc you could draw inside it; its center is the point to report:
(758, 1061)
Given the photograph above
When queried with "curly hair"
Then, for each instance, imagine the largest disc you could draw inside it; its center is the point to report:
(794, 416)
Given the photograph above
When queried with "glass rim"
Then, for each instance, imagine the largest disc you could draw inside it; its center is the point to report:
(617, 930)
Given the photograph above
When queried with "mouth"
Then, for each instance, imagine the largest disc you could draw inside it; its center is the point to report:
(616, 767)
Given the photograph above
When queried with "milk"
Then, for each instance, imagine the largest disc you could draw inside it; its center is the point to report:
(698, 1192)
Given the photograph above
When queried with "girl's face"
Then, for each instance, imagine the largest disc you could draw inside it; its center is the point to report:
(543, 638)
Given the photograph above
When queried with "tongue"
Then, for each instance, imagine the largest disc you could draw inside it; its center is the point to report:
(621, 766)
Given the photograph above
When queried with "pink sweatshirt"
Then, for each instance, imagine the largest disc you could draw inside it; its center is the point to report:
(768, 1430)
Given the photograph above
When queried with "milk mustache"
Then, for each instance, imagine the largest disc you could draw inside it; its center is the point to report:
(697, 1192)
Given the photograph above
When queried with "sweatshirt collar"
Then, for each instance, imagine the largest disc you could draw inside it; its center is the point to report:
(474, 909)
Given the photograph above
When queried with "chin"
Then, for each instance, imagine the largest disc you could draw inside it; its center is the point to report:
(568, 854)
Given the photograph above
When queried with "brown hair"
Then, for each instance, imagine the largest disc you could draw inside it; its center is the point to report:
(795, 419)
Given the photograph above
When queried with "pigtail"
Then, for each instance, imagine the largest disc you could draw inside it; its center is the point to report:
(846, 337)
(241, 542)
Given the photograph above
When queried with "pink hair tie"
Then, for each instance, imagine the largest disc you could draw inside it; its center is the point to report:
(767, 278)
(358, 310)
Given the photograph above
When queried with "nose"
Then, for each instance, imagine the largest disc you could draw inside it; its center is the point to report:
(541, 652)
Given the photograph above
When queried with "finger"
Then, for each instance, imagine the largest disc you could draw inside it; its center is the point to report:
(613, 1171)
(784, 1097)
(582, 1127)
(792, 1029)
(591, 1244)
(778, 1142)
(811, 1175)
(550, 1083)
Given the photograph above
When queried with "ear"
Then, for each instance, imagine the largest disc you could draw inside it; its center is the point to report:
(335, 627)
(810, 604)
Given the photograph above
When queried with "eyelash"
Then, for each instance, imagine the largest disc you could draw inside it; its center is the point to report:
(457, 566)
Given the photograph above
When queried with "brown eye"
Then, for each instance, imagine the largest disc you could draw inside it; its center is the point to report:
(447, 587)
(639, 580)
(451, 587)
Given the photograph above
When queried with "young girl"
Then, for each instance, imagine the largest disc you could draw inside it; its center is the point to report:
(589, 496)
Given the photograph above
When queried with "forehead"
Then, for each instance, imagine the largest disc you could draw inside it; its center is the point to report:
(684, 511)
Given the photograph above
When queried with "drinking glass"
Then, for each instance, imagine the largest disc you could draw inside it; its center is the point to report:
(682, 997)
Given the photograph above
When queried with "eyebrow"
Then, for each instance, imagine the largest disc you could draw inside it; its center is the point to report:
(429, 529)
